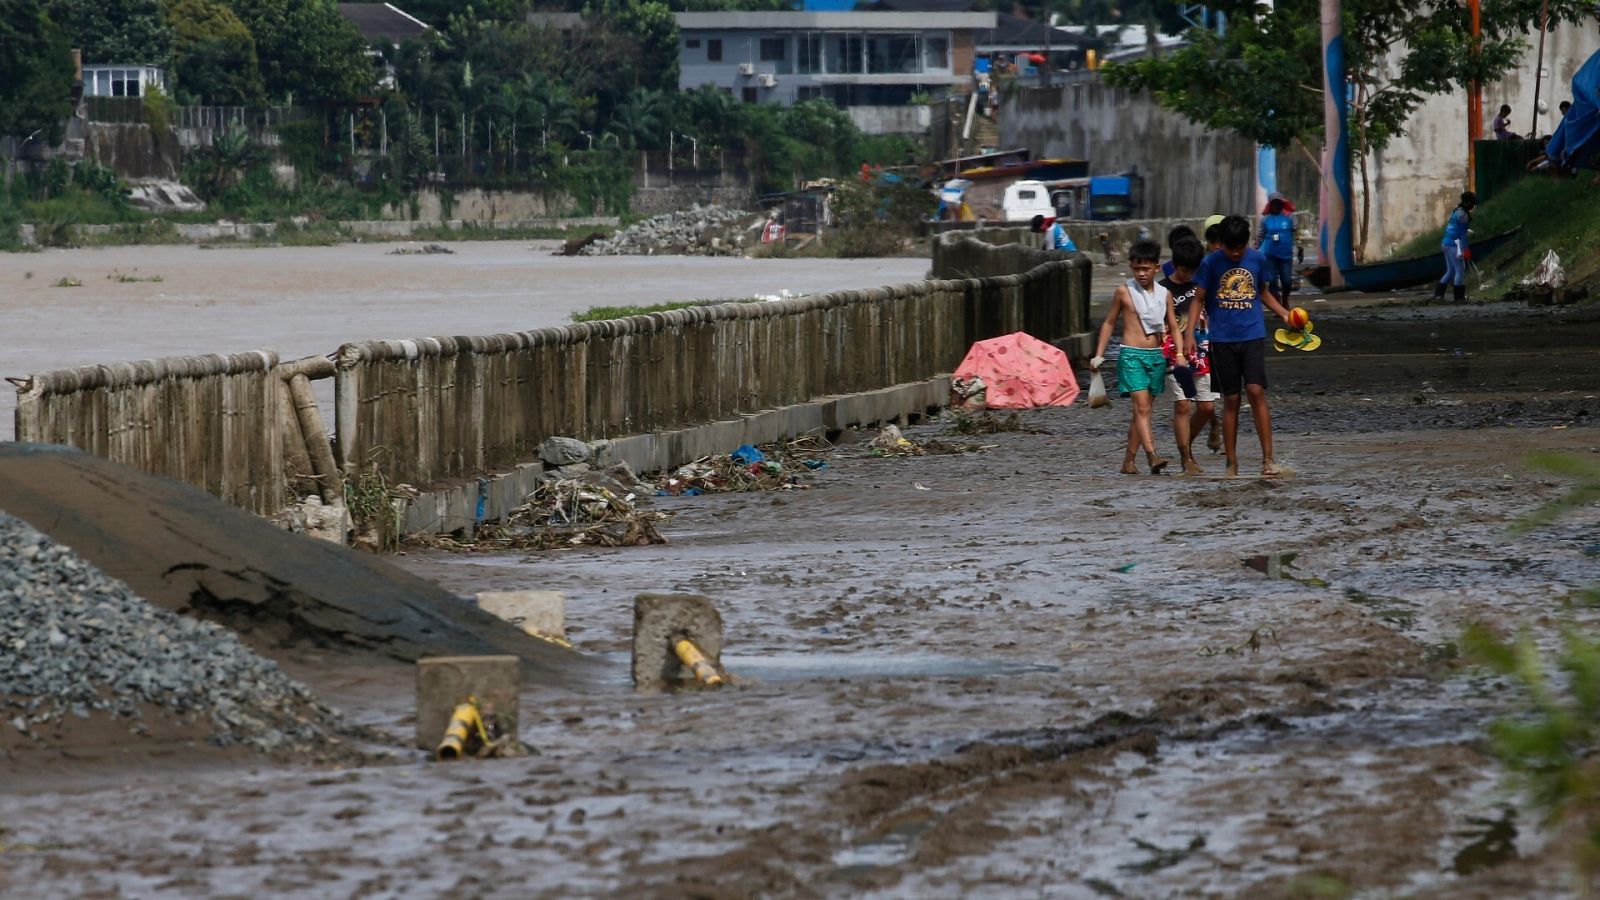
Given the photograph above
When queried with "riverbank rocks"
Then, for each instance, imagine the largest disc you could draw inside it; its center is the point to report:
(698, 231)
(77, 643)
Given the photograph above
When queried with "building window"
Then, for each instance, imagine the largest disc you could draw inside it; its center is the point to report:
(691, 43)
(750, 95)
(810, 93)
(714, 50)
(935, 53)
(808, 53)
(893, 54)
(776, 51)
(845, 58)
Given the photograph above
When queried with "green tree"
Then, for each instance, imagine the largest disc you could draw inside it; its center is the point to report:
(307, 51)
(115, 31)
(214, 54)
(35, 72)
(641, 119)
(1263, 79)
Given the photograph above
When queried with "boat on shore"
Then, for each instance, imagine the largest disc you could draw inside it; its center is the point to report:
(1396, 274)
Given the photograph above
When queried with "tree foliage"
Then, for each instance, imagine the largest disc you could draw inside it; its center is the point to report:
(214, 54)
(115, 31)
(1263, 78)
(35, 71)
(307, 50)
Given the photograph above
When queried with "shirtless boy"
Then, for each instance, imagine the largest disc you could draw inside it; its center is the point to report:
(1145, 310)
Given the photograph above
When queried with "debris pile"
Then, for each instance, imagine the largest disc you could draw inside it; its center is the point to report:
(575, 512)
(698, 231)
(745, 469)
(964, 422)
(891, 443)
(75, 642)
(424, 250)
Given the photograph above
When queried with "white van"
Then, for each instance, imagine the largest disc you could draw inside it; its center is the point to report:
(1025, 199)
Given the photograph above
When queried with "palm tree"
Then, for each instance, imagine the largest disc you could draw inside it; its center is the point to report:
(637, 121)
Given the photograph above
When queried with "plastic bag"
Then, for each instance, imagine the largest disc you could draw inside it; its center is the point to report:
(1097, 392)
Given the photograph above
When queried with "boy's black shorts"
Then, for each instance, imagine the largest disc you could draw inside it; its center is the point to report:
(1233, 362)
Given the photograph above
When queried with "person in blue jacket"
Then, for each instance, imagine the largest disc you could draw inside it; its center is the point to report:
(1457, 249)
(1275, 239)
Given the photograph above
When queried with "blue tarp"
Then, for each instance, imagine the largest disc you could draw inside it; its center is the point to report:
(1109, 186)
(1576, 142)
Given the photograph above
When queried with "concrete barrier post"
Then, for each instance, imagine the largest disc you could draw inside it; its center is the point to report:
(542, 613)
(445, 682)
(659, 622)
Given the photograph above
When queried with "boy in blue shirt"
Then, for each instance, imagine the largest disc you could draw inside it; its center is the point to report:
(1233, 288)
(1276, 240)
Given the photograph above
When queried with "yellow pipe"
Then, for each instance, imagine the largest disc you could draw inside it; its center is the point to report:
(690, 655)
(464, 722)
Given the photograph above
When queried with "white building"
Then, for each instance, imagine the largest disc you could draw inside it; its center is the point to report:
(122, 80)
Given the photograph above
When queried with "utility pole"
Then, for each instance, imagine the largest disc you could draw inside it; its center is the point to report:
(1266, 160)
(1538, 71)
(1474, 102)
(1335, 211)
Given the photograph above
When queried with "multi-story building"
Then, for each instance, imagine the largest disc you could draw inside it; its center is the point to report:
(850, 58)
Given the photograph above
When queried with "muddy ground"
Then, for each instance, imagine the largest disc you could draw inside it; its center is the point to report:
(1003, 673)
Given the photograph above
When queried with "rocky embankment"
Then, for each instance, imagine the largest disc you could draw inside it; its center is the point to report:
(699, 231)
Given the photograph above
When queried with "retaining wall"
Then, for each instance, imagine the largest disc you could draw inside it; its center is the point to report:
(211, 421)
(437, 409)
(444, 414)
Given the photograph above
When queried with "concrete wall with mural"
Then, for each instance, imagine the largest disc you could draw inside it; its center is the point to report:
(1417, 180)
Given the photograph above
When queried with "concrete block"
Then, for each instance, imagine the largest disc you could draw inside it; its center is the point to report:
(536, 612)
(657, 620)
(443, 682)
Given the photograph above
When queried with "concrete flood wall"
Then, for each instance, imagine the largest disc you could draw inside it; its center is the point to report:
(462, 417)
(210, 421)
(433, 410)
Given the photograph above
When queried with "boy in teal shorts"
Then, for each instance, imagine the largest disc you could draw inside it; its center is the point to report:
(1145, 310)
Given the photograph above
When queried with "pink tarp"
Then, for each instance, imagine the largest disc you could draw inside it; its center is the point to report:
(1019, 371)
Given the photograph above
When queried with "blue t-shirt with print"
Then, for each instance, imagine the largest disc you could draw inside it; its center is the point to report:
(1277, 236)
(1233, 295)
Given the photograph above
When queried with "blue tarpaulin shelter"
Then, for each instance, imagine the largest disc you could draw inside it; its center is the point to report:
(1576, 142)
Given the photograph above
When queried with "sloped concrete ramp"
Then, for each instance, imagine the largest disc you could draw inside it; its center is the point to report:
(184, 550)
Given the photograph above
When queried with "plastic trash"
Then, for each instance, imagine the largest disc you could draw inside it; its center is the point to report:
(748, 455)
(815, 465)
(1097, 392)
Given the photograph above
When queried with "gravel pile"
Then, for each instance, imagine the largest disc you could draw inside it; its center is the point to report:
(699, 231)
(75, 642)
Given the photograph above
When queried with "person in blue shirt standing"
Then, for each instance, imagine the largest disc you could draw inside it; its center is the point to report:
(1275, 238)
(1457, 249)
(1233, 287)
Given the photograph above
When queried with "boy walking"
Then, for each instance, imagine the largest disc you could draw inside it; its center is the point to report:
(1233, 289)
(1192, 402)
(1145, 310)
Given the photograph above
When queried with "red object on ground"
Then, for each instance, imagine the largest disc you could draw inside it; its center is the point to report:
(1019, 371)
